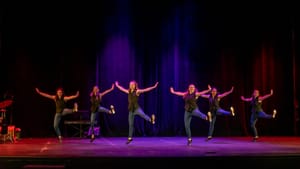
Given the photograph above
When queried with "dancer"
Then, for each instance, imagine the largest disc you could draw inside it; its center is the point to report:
(133, 106)
(214, 108)
(257, 111)
(60, 101)
(191, 108)
(96, 98)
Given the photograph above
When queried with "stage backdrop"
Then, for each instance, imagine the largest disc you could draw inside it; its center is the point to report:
(175, 43)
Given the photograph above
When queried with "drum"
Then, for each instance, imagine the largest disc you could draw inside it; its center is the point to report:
(5, 103)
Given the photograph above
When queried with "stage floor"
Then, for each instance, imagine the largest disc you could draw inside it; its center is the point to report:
(110, 152)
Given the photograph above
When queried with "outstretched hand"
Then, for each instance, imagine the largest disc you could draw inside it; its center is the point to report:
(209, 87)
(37, 90)
(231, 90)
(271, 92)
(171, 89)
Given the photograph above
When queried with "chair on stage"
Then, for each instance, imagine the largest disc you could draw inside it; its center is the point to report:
(7, 133)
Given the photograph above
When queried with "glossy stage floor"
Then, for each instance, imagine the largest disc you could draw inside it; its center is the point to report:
(151, 152)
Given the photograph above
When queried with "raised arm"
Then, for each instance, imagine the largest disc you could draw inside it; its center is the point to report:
(177, 93)
(121, 88)
(246, 99)
(267, 95)
(147, 89)
(71, 97)
(226, 93)
(108, 90)
(44, 94)
(203, 91)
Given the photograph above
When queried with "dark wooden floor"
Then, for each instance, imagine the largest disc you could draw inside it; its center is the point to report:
(151, 152)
